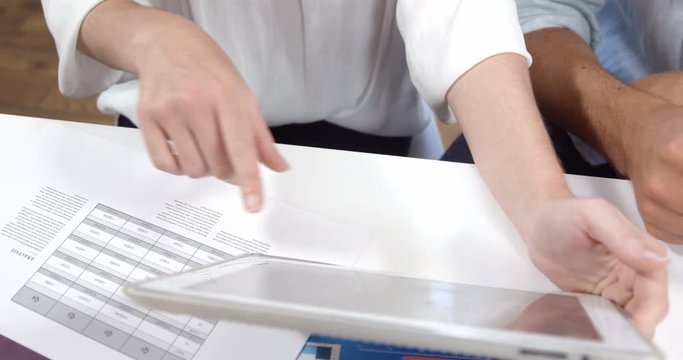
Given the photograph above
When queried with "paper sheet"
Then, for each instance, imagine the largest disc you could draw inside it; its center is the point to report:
(81, 216)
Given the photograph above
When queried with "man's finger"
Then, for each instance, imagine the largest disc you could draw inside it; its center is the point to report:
(661, 217)
(662, 234)
(663, 188)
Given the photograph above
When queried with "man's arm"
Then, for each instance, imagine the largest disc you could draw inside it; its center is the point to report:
(574, 91)
(190, 94)
(640, 132)
(668, 86)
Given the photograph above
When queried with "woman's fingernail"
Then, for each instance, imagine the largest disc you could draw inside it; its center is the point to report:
(655, 256)
(251, 202)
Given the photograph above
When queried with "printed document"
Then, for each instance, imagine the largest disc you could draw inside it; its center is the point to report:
(81, 217)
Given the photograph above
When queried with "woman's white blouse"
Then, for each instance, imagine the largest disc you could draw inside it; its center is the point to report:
(375, 66)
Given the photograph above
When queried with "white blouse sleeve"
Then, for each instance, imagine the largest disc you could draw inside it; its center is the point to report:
(446, 38)
(79, 74)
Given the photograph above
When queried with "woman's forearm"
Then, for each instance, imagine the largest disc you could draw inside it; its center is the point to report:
(494, 104)
(126, 36)
(190, 94)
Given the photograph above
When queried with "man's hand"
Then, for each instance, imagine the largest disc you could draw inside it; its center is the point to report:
(655, 166)
(587, 245)
(637, 126)
(196, 113)
(668, 86)
(653, 143)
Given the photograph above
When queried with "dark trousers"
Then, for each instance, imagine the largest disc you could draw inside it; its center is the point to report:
(327, 135)
(571, 159)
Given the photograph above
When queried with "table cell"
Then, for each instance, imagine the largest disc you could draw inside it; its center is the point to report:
(113, 322)
(121, 257)
(129, 246)
(73, 255)
(70, 259)
(127, 315)
(177, 244)
(199, 327)
(100, 226)
(151, 339)
(159, 329)
(94, 231)
(177, 320)
(162, 262)
(193, 265)
(139, 274)
(204, 257)
(164, 271)
(141, 350)
(105, 334)
(34, 300)
(183, 353)
(181, 258)
(215, 252)
(141, 230)
(43, 290)
(105, 274)
(114, 218)
(193, 337)
(121, 297)
(127, 249)
(93, 279)
(69, 269)
(54, 284)
(69, 317)
(78, 306)
(188, 343)
(81, 251)
(116, 266)
(53, 275)
(138, 311)
(135, 249)
(172, 355)
(81, 299)
(151, 270)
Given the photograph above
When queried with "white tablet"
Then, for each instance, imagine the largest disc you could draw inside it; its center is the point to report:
(378, 307)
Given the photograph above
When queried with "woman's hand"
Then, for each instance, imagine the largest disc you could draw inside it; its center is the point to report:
(582, 245)
(192, 95)
(587, 245)
(196, 113)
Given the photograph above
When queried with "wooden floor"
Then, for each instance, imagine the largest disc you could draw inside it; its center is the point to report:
(28, 71)
(28, 68)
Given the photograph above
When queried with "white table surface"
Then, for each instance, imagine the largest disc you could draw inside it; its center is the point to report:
(426, 218)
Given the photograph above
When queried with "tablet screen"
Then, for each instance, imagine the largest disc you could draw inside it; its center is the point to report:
(410, 299)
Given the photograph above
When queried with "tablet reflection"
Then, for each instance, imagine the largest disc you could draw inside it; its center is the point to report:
(557, 315)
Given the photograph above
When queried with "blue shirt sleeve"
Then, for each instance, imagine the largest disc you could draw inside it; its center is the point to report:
(580, 16)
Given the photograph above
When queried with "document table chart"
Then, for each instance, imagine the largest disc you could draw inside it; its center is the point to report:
(81, 285)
